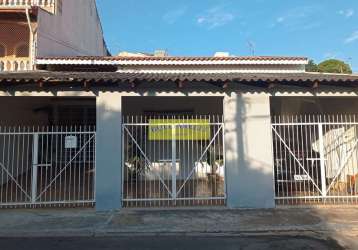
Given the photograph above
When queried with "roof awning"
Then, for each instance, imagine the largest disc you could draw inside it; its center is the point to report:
(261, 79)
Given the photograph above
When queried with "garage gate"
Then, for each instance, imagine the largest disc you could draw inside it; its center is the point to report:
(47, 166)
(316, 159)
(173, 161)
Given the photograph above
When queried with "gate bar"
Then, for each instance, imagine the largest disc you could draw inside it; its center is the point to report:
(322, 160)
(174, 164)
(35, 156)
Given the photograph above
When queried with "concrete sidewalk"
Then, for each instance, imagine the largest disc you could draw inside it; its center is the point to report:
(86, 222)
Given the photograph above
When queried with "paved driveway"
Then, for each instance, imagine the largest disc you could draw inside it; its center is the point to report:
(172, 242)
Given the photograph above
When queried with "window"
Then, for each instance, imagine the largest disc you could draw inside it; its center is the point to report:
(2, 51)
(22, 50)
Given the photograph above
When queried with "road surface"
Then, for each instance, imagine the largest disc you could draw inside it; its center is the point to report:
(169, 242)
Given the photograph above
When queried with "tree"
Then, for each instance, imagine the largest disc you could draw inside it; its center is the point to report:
(334, 66)
(311, 66)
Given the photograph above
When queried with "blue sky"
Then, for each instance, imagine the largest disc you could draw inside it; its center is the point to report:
(319, 29)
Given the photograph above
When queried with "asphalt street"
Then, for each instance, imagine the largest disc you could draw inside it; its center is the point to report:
(169, 242)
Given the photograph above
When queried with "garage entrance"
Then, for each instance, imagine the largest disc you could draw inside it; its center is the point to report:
(316, 151)
(173, 156)
(47, 152)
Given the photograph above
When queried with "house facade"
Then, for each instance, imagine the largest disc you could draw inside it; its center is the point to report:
(81, 128)
(32, 28)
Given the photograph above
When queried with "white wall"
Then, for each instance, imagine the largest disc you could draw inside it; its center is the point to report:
(75, 31)
(237, 68)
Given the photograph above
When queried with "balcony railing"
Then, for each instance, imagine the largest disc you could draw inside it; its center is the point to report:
(14, 64)
(48, 5)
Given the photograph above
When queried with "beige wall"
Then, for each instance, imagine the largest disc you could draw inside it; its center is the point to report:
(74, 31)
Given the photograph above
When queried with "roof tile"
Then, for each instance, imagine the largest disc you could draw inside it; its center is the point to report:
(51, 76)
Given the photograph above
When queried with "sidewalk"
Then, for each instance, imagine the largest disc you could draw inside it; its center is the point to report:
(86, 222)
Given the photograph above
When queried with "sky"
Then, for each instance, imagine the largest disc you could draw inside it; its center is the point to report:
(318, 29)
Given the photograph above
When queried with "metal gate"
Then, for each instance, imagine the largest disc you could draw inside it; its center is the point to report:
(173, 161)
(316, 159)
(48, 166)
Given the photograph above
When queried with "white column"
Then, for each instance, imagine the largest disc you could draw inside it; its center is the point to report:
(248, 149)
(109, 151)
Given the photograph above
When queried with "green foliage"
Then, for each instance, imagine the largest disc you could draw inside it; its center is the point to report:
(334, 66)
(311, 66)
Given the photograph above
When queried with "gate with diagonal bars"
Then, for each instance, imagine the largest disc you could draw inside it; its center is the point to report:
(316, 159)
(173, 161)
(47, 167)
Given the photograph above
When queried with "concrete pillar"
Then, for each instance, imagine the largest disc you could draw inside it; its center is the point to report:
(249, 157)
(108, 151)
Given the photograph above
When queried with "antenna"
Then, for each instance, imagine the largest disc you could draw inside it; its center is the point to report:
(251, 47)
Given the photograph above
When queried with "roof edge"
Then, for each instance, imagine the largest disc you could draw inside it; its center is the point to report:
(170, 60)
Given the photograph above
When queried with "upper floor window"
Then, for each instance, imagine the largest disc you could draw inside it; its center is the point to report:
(2, 51)
(22, 50)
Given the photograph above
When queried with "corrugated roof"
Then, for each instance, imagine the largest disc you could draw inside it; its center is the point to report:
(101, 77)
(51, 78)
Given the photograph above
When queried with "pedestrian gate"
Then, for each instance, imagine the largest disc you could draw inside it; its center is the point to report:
(49, 166)
(316, 159)
(173, 161)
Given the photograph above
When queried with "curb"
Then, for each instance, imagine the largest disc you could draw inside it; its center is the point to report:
(110, 233)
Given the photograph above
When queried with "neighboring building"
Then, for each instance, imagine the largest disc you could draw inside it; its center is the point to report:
(33, 28)
(132, 54)
(142, 130)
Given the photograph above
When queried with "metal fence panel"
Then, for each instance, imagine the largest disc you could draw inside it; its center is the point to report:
(173, 161)
(48, 166)
(316, 159)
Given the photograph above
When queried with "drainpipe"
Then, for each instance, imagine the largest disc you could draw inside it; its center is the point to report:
(32, 35)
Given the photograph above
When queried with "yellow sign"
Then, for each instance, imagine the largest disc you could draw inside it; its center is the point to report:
(189, 129)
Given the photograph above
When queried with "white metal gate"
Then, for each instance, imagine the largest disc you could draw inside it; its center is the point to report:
(316, 159)
(173, 161)
(48, 166)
